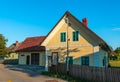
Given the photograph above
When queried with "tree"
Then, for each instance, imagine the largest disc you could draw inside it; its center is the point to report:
(117, 50)
(3, 48)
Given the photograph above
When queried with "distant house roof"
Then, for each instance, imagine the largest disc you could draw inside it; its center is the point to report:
(31, 44)
(113, 52)
(14, 46)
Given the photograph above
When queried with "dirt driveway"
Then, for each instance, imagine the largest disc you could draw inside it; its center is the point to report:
(11, 73)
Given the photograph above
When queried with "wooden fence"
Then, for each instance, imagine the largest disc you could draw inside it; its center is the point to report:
(94, 74)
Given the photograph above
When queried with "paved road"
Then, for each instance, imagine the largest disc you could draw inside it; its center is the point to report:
(8, 74)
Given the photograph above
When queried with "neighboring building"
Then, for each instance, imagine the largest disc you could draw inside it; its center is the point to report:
(12, 48)
(30, 53)
(68, 36)
(71, 36)
(113, 55)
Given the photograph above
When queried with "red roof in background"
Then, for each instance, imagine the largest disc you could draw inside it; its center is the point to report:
(31, 44)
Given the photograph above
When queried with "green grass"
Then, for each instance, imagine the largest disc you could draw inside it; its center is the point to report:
(64, 77)
(114, 63)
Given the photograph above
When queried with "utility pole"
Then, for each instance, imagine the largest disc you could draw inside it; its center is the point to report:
(67, 45)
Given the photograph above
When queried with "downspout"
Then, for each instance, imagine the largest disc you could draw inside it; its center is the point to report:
(46, 64)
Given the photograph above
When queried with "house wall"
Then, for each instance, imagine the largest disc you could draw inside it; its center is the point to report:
(88, 44)
(103, 54)
(12, 56)
(77, 49)
(78, 60)
(22, 59)
(42, 59)
(99, 58)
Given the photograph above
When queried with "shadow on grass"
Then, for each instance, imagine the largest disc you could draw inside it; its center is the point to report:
(32, 71)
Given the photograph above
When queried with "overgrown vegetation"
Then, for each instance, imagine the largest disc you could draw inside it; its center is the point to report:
(11, 61)
(115, 58)
(115, 55)
(3, 48)
(64, 77)
(114, 63)
(117, 51)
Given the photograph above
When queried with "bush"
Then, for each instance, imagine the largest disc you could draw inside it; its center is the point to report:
(11, 61)
(63, 76)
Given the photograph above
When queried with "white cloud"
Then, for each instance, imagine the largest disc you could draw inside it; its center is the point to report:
(116, 29)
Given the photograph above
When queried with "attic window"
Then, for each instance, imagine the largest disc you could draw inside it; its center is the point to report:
(63, 36)
(75, 36)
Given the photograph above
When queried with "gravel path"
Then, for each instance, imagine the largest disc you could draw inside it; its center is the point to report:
(11, 73)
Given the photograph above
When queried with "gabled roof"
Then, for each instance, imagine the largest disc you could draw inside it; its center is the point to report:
(31, 44)
(92, 34)
(102, 43)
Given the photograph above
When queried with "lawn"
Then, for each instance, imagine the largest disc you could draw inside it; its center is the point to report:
(114, 63)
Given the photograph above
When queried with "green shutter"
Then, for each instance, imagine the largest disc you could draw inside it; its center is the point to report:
(69, 59)
(87, 61)
(63, 37)
(73, 36)
(77, 35)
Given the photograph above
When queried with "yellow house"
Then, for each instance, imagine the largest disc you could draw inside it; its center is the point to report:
(69, 41)
(73, 41)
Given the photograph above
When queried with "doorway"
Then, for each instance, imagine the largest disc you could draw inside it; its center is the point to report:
(28, 60)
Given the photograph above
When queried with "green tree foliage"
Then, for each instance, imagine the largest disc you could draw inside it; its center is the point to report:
(3, 48)
(117, 50)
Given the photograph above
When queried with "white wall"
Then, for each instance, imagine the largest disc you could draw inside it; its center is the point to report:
(42, 59)
(97, 59)
(103, 54)
(78, 60)
(22, 59)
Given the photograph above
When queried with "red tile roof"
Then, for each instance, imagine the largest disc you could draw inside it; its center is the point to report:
(32, 44)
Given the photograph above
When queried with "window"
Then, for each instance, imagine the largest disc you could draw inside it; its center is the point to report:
(75, 36)
(22, 54)
(63, 37)
(69, 59)
(54, 58)
(85, 60)
(35, 58)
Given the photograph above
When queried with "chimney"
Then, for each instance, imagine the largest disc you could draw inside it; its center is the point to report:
(17, 43)
(85, 22)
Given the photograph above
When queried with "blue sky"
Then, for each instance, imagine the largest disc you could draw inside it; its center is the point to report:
(26, 18)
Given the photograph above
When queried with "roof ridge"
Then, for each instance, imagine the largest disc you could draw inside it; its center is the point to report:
(31, 43)
(35, 37)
